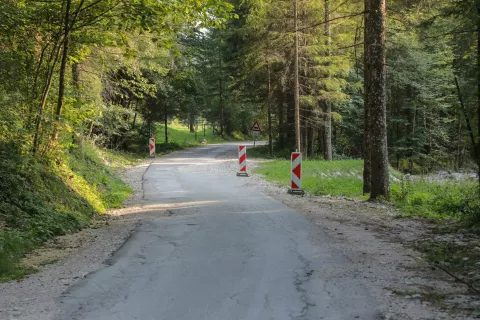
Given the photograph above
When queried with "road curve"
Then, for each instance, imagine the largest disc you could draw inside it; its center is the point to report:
(216, 249)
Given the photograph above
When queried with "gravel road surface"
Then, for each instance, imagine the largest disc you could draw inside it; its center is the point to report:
(220, 251)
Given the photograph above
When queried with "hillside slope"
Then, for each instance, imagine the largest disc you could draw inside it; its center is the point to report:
(40, 199)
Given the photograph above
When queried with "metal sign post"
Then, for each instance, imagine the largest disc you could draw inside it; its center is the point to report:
(255, 130)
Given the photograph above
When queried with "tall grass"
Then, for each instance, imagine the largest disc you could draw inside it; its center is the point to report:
(419, 197)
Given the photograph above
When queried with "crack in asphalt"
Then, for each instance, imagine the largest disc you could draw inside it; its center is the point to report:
(301, 278)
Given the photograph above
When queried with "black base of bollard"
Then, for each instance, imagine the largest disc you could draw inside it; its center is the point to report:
(242, 174)
(296, 192)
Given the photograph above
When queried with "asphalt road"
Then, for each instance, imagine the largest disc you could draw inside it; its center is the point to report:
(221, 251)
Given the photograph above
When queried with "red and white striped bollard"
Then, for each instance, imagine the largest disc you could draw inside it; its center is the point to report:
(242, 161)
(296, 174)
(152, 147)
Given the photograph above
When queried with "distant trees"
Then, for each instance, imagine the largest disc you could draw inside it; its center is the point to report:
(64, 64)
(412, 118)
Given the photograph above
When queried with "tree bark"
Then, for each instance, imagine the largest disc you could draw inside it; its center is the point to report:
(222, 107)
(191, 122)
(328, 107)
(367, 168)
(469, 127)
(376, 98)
(166, 123)
(281, 126)
(478, 87)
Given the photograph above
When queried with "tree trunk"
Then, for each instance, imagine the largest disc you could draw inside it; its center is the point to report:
(63, 66)
(376, 98)
(76, 76)
(367, 168)
(297, 84)
(328, 107)
(469, 127)
(281, 126)
(269, 106)
(166, 123)
(478, 88)
(54, 56)
(191, 122)
(321, 141)
(220, 91)
(312, 141)
(134, 120)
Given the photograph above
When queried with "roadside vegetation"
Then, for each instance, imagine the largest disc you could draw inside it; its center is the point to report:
(180, 136)
(414, 196)
(43, 198)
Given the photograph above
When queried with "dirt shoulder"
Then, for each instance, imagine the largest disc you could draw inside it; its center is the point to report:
(386, 251)
(66, 259)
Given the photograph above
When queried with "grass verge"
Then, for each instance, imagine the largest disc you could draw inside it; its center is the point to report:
(179, 136)
(419, 198)
(43, 199)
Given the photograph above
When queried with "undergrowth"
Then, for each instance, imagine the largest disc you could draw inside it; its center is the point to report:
(40, 199)
(458, 200)
(179, 136)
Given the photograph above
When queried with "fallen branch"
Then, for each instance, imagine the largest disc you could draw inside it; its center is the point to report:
(436, 265)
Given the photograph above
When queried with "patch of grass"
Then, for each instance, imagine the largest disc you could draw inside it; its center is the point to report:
(18, 273)
(438, 199)
(48, 262)
(335, 178)
(179, 134)
(418, 198)
(42, 199)
(263, 152)
(116, 159)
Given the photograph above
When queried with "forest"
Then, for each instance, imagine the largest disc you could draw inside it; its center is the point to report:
(394, 83)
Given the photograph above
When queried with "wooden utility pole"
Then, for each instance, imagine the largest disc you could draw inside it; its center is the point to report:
(375, 59)
(297, 84)
(328, 107)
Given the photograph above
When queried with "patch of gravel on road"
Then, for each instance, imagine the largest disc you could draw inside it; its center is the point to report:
(379, 246)
(72, 258)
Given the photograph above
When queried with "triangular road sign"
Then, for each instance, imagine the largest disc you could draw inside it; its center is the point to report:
(256, 127)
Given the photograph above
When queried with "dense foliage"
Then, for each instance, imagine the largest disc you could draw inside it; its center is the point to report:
(429, 43)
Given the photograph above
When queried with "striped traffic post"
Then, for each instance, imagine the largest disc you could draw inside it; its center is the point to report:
(296, 174)
(242, 161)
(152, 147)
